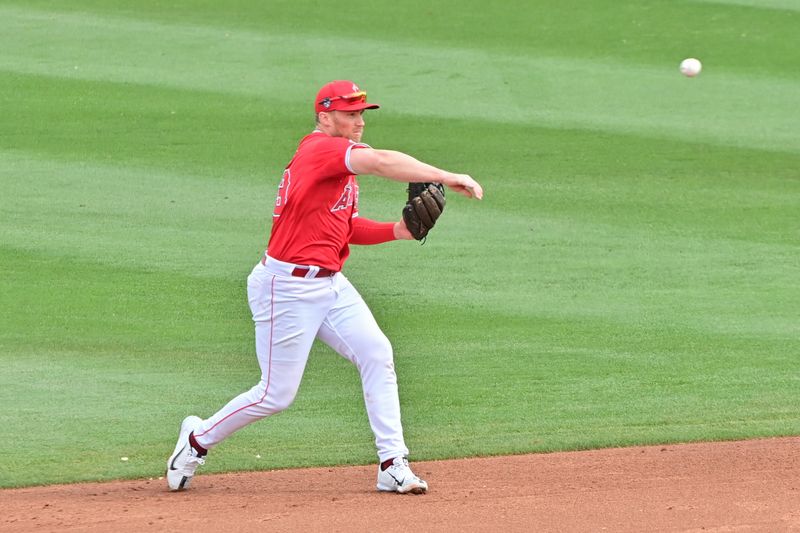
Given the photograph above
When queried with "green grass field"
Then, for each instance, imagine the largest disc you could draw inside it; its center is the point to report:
(630, 277)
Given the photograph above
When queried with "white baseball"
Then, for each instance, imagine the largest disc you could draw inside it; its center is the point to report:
(691, 67)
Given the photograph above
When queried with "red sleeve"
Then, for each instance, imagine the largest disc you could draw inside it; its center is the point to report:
(332, 155)
(366, 231)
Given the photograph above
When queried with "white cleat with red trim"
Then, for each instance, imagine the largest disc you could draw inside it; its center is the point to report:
(398, 477)
(184, 461)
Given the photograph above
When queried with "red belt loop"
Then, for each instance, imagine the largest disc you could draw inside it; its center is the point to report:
(300, 272)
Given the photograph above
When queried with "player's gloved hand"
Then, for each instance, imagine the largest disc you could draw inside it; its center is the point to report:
(424, 206)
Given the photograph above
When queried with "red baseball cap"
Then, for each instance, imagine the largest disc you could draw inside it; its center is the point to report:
(342, 95)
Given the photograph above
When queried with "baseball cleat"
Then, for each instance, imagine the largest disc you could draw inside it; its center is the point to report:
(184, 460)
(398, 477)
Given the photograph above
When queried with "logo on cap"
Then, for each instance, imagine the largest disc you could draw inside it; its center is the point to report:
(326, 102)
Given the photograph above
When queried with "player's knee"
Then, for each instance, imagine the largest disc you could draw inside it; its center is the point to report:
(280, 396)
(275, 397)
(281, 404)
(380, 350)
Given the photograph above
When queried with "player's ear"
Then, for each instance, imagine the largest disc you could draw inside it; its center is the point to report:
(324, 118)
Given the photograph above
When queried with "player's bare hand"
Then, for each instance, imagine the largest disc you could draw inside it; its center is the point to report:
(464, 184)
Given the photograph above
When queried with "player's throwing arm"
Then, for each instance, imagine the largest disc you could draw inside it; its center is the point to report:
(426, 196)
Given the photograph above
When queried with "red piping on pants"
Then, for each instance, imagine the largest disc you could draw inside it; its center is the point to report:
(269, 363)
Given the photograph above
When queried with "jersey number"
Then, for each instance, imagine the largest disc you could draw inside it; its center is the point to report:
(283, 193)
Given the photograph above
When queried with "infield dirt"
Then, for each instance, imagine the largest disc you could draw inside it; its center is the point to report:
(727, 486)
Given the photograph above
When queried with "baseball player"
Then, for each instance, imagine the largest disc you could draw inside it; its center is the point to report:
(297, 292)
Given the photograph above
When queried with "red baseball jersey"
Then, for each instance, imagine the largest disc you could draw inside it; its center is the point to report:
(317, 200)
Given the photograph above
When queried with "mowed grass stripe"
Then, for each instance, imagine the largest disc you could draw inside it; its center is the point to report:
(126, 216)
(569, 271)
(195, 133)
(784, 5)
(740, 38)
(63, 303)
(606, 95)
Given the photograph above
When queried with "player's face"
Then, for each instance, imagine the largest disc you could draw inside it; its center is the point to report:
(349, 124)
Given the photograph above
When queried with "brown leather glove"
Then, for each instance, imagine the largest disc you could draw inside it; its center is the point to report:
(424, 206)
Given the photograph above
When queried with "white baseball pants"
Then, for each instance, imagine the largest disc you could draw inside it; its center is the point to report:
(289, 313)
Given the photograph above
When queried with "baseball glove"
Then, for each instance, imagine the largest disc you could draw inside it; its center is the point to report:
(424, 206)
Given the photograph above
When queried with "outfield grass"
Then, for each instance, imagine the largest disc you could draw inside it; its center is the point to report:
(630, 277)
